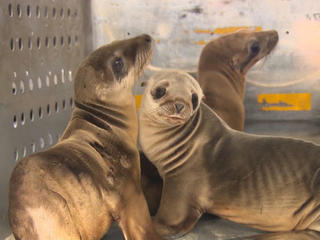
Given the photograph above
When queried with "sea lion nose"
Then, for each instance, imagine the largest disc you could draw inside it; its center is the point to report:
(147, 38)
(179, 107)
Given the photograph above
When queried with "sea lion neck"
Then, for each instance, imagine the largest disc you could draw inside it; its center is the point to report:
(108, 117)
(170, 147)
(223, 72)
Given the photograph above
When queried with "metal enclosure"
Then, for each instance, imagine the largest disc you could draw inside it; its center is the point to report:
(41, 43)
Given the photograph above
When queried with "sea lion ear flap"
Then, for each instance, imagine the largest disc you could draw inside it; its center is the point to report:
(235, 63)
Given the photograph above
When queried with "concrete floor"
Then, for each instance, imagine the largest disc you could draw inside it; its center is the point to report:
(208, 228)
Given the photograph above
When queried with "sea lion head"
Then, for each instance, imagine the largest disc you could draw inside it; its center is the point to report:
(240, 50)
(108, 74)
(171, 98)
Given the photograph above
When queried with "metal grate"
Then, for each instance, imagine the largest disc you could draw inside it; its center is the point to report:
(42, 43)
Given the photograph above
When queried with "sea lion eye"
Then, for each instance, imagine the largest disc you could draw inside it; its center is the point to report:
(194, 100)
(117, 65)
(159, 92)
(255, 48)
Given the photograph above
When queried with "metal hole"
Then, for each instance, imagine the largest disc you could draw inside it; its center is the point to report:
(61, 12)
(28, 11)
(56, 107)
(54, 41)
(14, 88)
(38, 42)
(20, 44)
(10, 10)
(11, 44)
(50, 139)
(31, 85)
(71, 102)
(62, 41)
(38, 11)
(31, 115)
(46, 42)
(48, 109)
(22, 119)
(62, 76)
(21, 87)
(55, 79)
(47, 81)
(19, 10)
(15, 121)
(54, 12)
(24, 151)
(69, 40)
(41, 142)
(76, 13)
(68, 12)
(45, 14)
(40, 113)
(29, 43)
(33, 147)
(70, 75)
(63, 104)
(16, 155)
(76, 39)
(39, 83)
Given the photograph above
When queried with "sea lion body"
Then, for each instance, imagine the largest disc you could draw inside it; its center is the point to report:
(91, 177)
(270, 183)
(222, 68)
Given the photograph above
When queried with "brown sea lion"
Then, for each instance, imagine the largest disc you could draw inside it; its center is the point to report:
(269, 183)
(91, 177)
(223, 65)
(222, 68)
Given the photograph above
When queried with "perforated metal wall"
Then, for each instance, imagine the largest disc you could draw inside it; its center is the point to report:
(41, 43)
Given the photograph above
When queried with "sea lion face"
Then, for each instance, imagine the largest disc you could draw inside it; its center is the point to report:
(171, 98)
(242, 49)
(250, 46)
(112, 70)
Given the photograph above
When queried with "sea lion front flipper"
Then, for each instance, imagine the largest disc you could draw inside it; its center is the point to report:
(134, 220)
(175, 216)
(298, 235)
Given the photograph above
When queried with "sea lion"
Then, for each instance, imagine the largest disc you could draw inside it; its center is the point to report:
(223, 65)
(91, 177)
(222, 68)
(269, 183)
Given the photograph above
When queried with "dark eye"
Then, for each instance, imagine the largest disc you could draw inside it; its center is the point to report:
(194, 100)
(159, 93)
(117, 65)
(255, 48)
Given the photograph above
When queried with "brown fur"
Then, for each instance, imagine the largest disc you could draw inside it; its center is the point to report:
(91, 177)
(223, 65)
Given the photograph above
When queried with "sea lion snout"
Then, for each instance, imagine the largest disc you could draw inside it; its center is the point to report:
(179, 106)
(274, 38)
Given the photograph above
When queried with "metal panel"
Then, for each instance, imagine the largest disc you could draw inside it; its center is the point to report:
(41, 43)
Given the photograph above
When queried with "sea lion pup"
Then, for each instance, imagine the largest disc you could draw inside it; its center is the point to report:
(75, 189)
(269, 183)
(222, 68)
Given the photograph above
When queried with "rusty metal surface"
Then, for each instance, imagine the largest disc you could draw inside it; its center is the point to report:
(41, 44)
